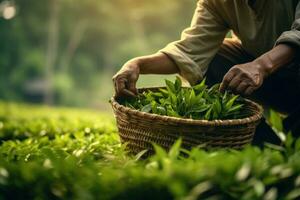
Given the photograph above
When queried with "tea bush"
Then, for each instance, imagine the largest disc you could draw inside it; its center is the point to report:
(59, 153)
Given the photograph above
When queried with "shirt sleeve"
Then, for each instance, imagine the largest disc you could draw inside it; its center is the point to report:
(292, 36)
(199, 43)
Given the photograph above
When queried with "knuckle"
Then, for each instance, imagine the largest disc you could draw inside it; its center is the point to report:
(226, 80)
(249, 91)
(232, 87)
(120, 79)
(244, 75)
(133, 75)
(114, 77)
(244, 84)
(255, 83)
(235, 69)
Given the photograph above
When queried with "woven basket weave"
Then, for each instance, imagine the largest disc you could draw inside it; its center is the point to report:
(139, 129)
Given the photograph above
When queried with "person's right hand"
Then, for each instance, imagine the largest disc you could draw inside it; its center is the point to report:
(125, 80)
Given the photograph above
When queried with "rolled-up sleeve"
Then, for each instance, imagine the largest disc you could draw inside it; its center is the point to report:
(199, 43)
(292, 36)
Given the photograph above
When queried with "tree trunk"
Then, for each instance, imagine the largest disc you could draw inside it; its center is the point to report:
(51, 52)
(73, 44)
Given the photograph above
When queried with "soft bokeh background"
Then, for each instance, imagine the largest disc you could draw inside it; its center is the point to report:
(64, 52)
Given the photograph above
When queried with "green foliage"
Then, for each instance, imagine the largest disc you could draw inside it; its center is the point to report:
(198, 102)
(48, 153)
(275, 121)
(95, 38)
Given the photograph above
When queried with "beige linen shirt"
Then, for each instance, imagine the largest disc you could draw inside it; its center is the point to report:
(258, 27)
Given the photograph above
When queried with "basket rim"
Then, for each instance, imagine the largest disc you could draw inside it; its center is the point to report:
(253, 118)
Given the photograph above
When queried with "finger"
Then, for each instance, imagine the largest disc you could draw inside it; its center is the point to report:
(249, 91)
(242, 88)
(114, 79)
(123, 90)
(132, 87)
(128, 93)
(226, 80)
(234, 83)
(120, 86)
(115, 86)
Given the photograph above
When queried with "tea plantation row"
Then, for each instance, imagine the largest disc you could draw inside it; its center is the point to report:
(59, 153)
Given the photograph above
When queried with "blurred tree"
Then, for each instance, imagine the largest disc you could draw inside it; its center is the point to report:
(52, 49)
(58, 51)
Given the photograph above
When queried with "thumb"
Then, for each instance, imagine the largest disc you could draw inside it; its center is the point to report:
(132, 86)
(132, 83)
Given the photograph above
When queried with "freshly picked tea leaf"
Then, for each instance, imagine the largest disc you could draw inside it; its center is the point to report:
(197, 102)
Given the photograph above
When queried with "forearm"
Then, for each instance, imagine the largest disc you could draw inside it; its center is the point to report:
(158, 63)
(278, 57)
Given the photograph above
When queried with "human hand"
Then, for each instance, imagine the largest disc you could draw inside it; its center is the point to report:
(125, 80)
(244, 79)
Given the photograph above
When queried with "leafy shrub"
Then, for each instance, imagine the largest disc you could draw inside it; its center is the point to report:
(198, 102)
(81, 158)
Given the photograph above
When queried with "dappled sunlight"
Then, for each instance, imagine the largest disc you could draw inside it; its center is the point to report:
(7, 10)
(65, 52)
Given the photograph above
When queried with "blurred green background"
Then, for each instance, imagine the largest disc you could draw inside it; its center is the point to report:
(64, 52)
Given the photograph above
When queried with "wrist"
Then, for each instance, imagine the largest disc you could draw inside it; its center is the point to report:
(264, 64)
(145, 63)
(133, 64)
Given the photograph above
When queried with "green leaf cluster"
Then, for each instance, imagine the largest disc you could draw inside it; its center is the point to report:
(51, 153)
(197, 102)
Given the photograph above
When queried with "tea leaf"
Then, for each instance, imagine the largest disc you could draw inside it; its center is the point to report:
(192, 97)
(276, 121)
(235, 108)
(172, 113)
(207, 115)
(200, 87)
(161, 110)
(170, 86)
(147, 108)
(199, 109)
(218, 106)
(231, 102)
(178, 84)
(175, 149)
(214, 88)
(198, 102)
(154, 107)
(164, 92)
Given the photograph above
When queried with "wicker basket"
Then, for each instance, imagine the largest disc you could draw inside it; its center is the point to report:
(139, 129)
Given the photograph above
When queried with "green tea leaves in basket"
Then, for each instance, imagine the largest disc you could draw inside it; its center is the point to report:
(197, 102)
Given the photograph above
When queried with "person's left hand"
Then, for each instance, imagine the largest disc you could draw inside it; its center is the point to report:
(243, 79)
